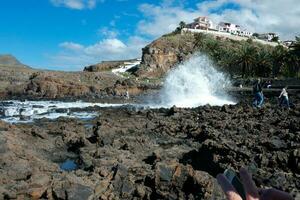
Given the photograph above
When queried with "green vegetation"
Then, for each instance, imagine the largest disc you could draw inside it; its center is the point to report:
(182, 25)
(251, 59)
(244, 58)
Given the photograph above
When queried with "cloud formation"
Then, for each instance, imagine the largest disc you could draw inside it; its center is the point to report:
(75, 4)
(280, 16)
(108, 32)
(77, 55)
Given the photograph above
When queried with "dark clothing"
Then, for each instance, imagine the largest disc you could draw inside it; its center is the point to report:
(284, 101)
(258, 95)
(258, 99)
(257, 88)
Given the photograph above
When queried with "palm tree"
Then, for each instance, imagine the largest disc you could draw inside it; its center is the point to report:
(263, 66)
(245, 57)
(291, 65)
(278, 55)
(212, 47)
(295, 56)
(182, 25)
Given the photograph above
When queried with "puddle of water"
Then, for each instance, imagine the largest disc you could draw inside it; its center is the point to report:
(68, 165)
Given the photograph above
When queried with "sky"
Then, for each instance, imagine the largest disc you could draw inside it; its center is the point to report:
(70, 34)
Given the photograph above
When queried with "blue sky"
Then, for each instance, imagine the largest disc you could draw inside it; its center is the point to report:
(69, 34)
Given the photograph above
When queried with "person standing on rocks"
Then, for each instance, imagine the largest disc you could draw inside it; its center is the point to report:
(127, 94)
(258, 95)
(283, 98)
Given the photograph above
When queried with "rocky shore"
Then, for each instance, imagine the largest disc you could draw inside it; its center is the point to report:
(127, 153)
(141, 153)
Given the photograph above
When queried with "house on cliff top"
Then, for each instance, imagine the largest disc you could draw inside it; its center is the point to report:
(205, 24)
(202, 23)
(234, 29)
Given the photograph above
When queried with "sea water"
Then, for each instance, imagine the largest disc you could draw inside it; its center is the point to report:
(194, 83)
(28, 111)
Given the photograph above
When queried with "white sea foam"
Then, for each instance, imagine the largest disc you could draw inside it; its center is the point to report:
(126, 67)
(194, 83)
(28, 111)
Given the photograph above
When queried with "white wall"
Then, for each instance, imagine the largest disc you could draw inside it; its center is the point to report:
(227, 35)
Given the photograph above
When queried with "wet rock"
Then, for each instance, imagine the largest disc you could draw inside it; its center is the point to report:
(150, 154)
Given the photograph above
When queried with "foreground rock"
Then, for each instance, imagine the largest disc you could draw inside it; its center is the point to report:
(150, 154)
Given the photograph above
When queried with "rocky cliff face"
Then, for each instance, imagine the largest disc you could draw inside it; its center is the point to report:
(163, 54)
(64, 84)
(18, 81)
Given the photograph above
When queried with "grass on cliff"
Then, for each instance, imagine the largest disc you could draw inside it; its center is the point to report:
(242, 58)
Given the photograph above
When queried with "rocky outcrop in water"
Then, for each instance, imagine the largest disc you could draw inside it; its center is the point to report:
(150, 154)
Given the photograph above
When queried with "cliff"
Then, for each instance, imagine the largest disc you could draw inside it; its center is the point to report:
(164, 53)
(245, 58)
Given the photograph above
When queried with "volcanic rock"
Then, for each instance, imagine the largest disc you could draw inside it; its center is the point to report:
(165, 53)
(150, 154)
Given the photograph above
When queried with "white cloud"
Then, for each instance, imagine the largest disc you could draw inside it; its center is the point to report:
(108, 33)
(111, 47)
(75, 4)
(280, 16)
(78, 55)
(255, 15)
(160, 19)
(71, 46)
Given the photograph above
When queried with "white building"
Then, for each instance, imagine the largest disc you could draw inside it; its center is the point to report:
(233, 29)
(246, 33)
(267, 36)
(229, 27)
(202, 23)
(289, 43)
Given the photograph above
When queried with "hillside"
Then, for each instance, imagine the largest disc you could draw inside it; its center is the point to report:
(10, 61)
(17, 81)
(238, 58)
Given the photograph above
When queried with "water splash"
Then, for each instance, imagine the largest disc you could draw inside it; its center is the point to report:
(194, 83)
(27, 111)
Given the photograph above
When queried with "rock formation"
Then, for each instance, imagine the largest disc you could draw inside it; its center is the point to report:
(164, 53)
(150, 154)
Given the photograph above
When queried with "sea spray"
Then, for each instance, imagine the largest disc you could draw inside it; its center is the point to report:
(194, 83)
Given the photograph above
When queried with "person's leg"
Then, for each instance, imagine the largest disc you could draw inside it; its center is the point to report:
(286, 101)
(280, 101)
(261, 99)
(255, 100)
